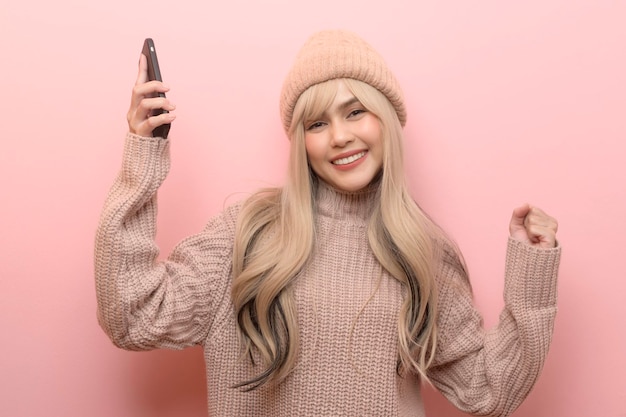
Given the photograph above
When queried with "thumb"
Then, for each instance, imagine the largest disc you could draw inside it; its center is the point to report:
(518, 216)
(142, 73)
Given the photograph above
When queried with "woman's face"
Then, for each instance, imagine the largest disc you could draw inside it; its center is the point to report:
(344, 145)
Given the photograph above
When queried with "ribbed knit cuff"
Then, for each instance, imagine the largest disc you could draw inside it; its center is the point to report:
(146, 142)
(145, 159)
(531, 275)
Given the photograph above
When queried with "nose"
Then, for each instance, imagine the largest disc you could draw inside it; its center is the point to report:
(341, 135)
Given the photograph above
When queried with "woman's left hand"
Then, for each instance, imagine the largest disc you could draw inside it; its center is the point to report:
(533, 226)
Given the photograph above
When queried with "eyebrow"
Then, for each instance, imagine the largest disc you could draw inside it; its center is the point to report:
(341, 107)
(349, 103)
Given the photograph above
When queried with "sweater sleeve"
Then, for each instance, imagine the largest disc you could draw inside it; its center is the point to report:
(143, 303)
(492, 372)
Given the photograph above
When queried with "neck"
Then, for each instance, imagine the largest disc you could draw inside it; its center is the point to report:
(353, 206)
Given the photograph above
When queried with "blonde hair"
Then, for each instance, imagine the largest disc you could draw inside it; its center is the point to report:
(276, 233)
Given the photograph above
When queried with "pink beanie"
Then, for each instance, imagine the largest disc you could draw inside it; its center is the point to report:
(332, 54)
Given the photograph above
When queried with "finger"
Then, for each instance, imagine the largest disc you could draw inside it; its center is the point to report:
(161, 119)
(542, 236)
(538, 217)
(137, 119)
(148, 105)
(146, 127)
(150, 89)
(521, 212)
(142, 74)
(144, 109)
(144, 90)
(518, 217)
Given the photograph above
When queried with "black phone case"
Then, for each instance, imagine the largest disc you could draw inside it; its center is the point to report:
(154, 73)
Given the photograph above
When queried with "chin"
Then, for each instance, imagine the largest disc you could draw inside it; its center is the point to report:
(352, 187)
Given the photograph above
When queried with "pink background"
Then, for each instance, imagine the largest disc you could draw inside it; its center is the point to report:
(509, 102)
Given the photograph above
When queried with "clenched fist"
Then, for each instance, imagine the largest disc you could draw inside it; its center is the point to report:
(533, 226)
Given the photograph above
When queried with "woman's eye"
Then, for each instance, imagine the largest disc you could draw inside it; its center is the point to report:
(356, 112)
(315, 125)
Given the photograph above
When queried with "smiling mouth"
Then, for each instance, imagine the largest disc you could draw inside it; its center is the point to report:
(349, 159)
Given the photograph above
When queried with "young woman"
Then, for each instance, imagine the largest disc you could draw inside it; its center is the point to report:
(334, 294)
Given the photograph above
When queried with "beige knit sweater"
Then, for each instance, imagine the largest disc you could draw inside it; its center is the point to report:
(347, 314)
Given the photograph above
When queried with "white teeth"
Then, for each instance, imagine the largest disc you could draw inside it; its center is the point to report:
(344, 161)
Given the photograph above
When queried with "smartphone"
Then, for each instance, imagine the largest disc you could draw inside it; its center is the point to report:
(154, 73)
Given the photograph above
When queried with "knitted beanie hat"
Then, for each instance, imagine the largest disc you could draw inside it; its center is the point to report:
(332, 54)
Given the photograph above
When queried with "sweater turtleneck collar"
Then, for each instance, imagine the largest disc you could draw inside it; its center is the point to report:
(352, 206)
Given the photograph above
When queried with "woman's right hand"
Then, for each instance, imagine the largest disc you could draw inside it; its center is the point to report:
(143, 102)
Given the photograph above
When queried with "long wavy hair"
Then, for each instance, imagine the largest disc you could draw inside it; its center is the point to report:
(276, 234)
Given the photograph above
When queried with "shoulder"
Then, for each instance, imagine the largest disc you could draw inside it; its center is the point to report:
(225, 222)
(259, 207)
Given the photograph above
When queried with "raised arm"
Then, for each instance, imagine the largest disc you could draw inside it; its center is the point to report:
(144, 303)
(491, 372)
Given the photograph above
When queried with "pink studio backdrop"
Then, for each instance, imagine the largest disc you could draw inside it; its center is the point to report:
(509, 102)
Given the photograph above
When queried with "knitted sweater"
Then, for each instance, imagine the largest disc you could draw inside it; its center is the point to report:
(347, 310)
